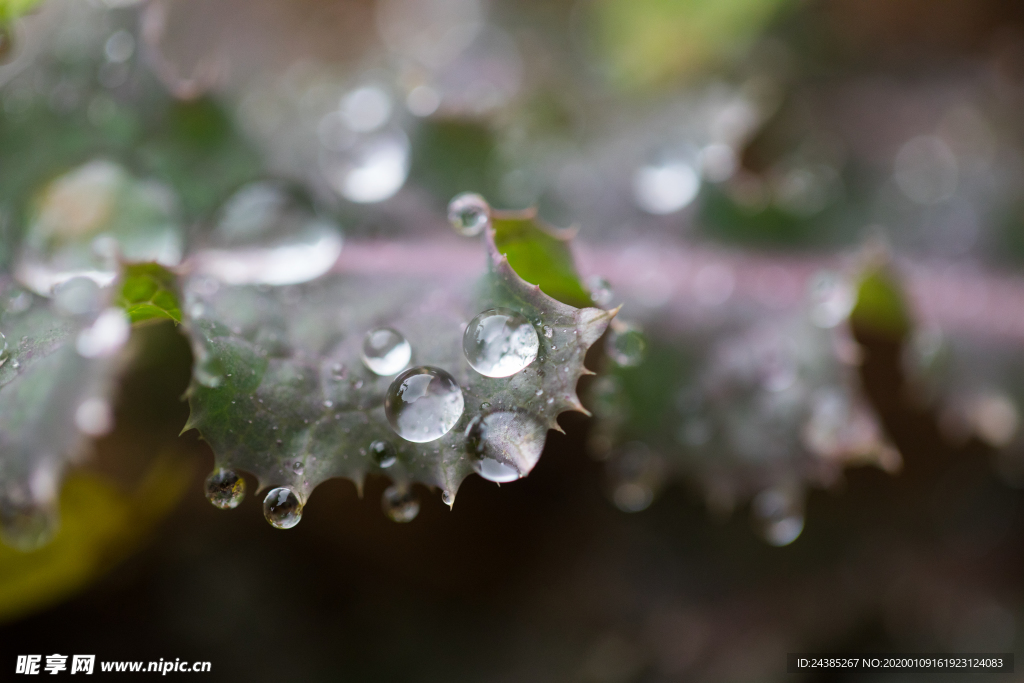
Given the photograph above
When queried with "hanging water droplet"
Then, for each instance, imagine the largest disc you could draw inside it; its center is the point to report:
(225, 488)
(400, 503)
(26, 525)
(384, 453)
(625, 346)
(600, 291)
(505, 445)
(500, 342)
(469, 213)
(282, 508)
(447, 498)
(93, 417)
(385, 351)
(778, 516)
(423, 403)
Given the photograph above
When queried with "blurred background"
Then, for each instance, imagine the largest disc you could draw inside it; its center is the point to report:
(806, 432)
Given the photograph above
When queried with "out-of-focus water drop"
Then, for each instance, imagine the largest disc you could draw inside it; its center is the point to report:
(383, 453)
(500, 342)
(268, 235)
(625, 345)
(27, 525)
(469, 213)
(400, 503)
(78, 296)
(225, 489)
(665, 188)
(422, 100)
(423, 404)
(368, 168)
(600, 291)
(385, 351)
(282, 508)
(94, 417)
(778, 516)
(105, 336)
(926, 170)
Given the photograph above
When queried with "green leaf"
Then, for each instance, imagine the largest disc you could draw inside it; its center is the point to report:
(149, 292)
(540, 255)
(279, 388)
(12, 9)
(880, 305)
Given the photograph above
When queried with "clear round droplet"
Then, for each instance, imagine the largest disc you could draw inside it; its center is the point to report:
(423, 403)
(282, 508)
(469, 214)
(626, 346)
(500, 342)
(778, 516)
(505, 445)
(383, 453)
(399, 503)
(385, 351)
(600, 291)
(225, 489)
(447, 498)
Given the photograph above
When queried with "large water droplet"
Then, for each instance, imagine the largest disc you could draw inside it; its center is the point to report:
(626, 346)
(500, 342)
(469, 214)
(268, 235)
(282, 508)
(77, 296)
(423, 403)
(383, 453)
(505, 445)
(385, 351)
(666, 187)
(778, 516)
(225, 489)
(90, 218)
(367, 168)
(400, 503)
(106, 336)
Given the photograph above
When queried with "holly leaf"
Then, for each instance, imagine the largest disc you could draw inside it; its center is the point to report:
(280, 389)
(148, 292)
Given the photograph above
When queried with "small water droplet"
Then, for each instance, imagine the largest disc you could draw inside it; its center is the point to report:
(540, 392)
(400, 503)
(625, 346)
(547, 331)
(328, 404)
(384, 453)
(500, 342)
(600, 291)
(358, 384)
(282, 508)
(385, 351)
(338, 371)
(778, 516)
(423, 403)
(469, 214)
(225, 488)
(297, 466)
(447, 498)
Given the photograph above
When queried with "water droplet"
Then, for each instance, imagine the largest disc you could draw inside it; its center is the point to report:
(225, 488)
(505, 445)
(400, 503)
(298, 466)
(93, 417)
(778, 516)
(385, 351)
(447, 498)
(540, 392)
(77, 296)
(600, 291)
(423, 403)
(626, 345)
(665, 188)
(367, 168)
(469, 214)
(547, 331)
(327, 404)
(500, 342)
(282, 508)
(338, 371)
(384, 453)
(106, 336)
(267, 235)
(25, 525)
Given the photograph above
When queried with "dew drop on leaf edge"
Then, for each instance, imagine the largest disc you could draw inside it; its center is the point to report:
(469, 214)
(282, 508)
(225, 489)
(400, 503)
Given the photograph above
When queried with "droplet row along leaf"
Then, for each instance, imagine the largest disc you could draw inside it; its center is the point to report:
(281, 389)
